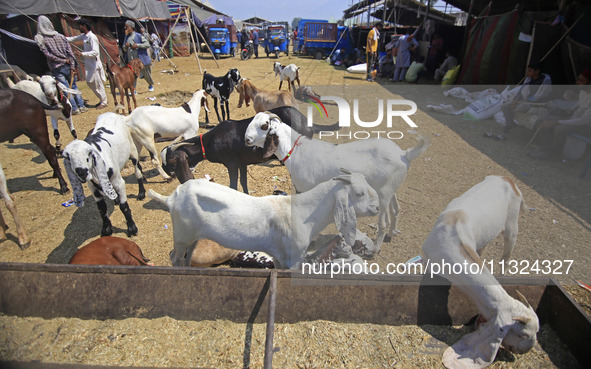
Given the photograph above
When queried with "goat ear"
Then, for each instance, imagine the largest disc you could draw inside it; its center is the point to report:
(345, 218)
(67, 90)
(100, 173)
(77, 189)
(478, 349)
(522, 319)
(205, 103)
(270, 145)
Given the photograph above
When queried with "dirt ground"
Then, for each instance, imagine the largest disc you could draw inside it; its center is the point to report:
(556, 226)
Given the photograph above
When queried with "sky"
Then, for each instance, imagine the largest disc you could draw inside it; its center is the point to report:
(283, 10)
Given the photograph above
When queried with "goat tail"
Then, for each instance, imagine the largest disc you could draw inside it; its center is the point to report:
(414, 152)
(158, 197)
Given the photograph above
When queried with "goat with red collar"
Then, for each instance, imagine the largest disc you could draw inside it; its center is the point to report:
(220, 88)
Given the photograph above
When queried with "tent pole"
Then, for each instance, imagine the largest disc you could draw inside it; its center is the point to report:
(192, 39)
(557, 42)
(208, 48)
(169, 36)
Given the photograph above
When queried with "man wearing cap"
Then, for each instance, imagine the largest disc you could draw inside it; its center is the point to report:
(95, 75)
(136, 46)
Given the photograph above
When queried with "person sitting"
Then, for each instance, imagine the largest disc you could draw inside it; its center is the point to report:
(416, 70)
(337, 57)
(555, 130)
(535, 88)
(386, 65)
(449, 63)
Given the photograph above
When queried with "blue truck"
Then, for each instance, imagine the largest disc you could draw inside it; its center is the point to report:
(299, 40)
(320, 38)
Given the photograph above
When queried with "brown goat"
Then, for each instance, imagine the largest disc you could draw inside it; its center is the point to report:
(23, 239)
(124, 80)
(110, 251)
(262, 100)
(23, 114)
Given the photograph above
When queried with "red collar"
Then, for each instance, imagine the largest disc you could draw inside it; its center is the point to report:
(129, 66)
(202, 148)
(290, 151)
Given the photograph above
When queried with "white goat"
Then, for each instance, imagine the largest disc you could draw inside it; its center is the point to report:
(181, 122)
(281, 226)
(459, 236)
(290, 73)
(98, 160)
(47, 90)
(23, 239)
(312, 161)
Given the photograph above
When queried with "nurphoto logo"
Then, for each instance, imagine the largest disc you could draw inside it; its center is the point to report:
(390, 108)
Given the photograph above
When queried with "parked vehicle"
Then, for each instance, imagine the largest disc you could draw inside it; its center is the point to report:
(321, 38)
(219, 42)
(276, 38)
(299, 41)
(221, 36)
(248, 50)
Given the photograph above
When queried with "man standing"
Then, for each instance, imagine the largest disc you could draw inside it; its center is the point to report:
(405, 45)
(60, 59)
(136, 46)
(372, 48)
(156, 45)
(95, 74)
(255, 42)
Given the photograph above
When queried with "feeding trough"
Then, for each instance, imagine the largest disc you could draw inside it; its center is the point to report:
(241, 296)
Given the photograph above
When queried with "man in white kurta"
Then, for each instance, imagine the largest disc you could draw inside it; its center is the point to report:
(405, 45)
(95, 74)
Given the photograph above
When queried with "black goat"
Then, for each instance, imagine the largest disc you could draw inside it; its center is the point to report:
(225, 144)
(220, 88)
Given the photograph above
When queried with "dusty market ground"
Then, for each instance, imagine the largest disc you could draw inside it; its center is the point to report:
(557, 227)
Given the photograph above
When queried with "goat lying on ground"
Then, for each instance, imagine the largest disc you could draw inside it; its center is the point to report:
(123, 79)
(23, 114)
(110, 251)
(313, 161)
(220, 88)
(459, 236)
(262, 100)
(23, 239)
(290, 73)
(281, 226)
(50, 92)
(98, 160)
(225, 144)
(183, 121)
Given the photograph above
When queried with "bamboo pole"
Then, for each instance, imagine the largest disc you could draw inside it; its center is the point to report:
(272, 294)
(192, 39)
(207, 44)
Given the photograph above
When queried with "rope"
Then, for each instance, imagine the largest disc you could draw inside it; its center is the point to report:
(10, 66)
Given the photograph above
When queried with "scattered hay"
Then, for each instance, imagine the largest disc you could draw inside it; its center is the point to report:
(221, 344)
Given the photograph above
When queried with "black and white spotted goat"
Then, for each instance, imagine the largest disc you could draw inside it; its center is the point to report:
(220, 88)
(98, 161)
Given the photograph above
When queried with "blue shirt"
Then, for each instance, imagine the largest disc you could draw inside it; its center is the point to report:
(255, 37)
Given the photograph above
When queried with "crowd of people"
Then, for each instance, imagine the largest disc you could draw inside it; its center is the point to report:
(64, 67)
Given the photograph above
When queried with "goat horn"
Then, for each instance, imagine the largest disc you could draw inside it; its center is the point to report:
(345, 171)
(176, 146)
(522, 298)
